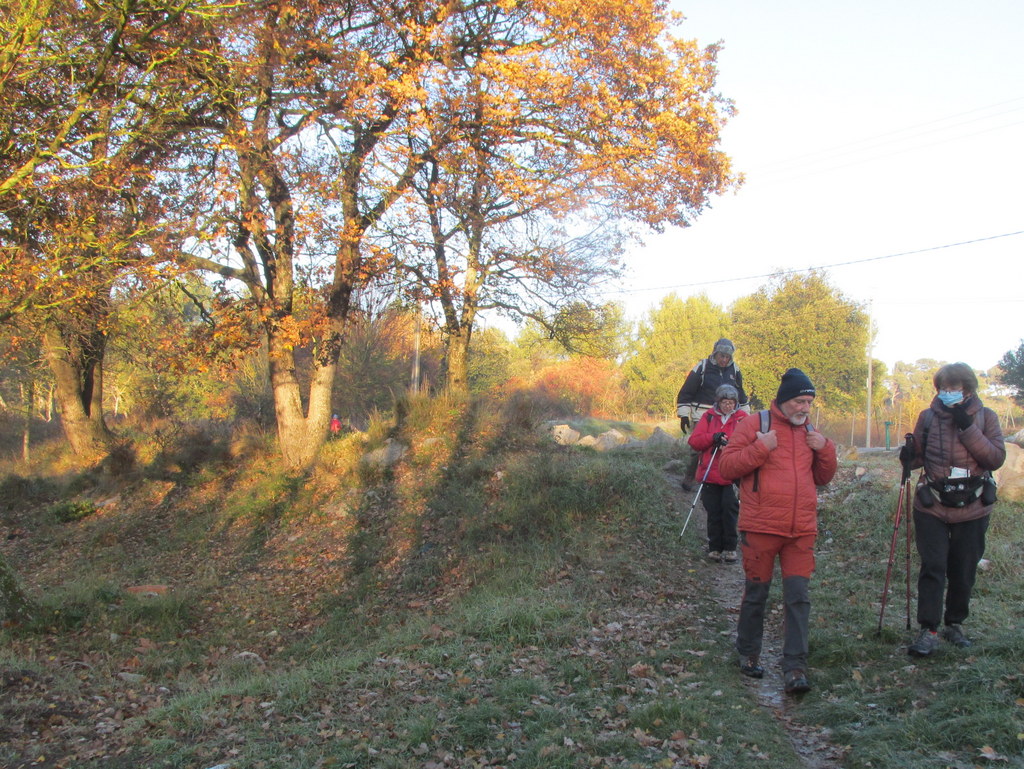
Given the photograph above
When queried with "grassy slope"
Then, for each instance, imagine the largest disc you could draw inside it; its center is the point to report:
(492, 601)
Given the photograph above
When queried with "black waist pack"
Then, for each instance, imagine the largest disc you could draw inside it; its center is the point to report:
(959, 492)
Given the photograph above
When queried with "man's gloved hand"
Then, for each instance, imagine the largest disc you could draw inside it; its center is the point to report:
(961, 418)
(719, 439)
(906, 454)
(684, 424)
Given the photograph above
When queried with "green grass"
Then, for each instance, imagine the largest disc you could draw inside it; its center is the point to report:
(508, 604)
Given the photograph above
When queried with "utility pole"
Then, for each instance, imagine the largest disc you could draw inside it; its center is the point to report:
(871, 335)
(414, 385)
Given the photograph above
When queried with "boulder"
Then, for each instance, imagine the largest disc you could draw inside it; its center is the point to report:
(1010, 476)
(660, 439)
(610, 439)
(1017, 438)
(564, 435)
(387, 455)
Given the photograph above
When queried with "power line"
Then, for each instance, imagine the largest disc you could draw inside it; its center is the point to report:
(871, 142)
(820, 267)
(780, 176)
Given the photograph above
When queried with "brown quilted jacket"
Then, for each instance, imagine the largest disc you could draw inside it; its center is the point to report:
(979, 448)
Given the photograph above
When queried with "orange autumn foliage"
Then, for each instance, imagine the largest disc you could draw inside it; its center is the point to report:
(588, 386)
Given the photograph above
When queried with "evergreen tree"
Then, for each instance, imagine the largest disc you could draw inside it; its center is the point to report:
(1012, 367)
(803, 321)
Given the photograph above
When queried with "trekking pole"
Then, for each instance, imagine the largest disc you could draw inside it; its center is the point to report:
(909, 442)
(910, 524)
(699, 489)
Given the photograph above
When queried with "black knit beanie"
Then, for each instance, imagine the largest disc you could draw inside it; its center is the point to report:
(794, 384)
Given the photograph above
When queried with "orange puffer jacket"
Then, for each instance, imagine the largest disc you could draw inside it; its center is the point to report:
(778, 488)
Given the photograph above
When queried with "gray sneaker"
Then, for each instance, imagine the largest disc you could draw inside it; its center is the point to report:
(954, 634)
(925, 645)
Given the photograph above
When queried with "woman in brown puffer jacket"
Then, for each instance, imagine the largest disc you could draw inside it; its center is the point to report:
(958, 443)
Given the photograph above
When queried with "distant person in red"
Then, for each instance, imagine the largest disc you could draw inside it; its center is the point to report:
(335, 426)
(710, 435)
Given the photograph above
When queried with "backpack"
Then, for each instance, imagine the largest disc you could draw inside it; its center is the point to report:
(766, 424)
(766, 421)
(703, 364)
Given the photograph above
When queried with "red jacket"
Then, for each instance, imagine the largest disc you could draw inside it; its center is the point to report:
(778, 489)
(702, 439)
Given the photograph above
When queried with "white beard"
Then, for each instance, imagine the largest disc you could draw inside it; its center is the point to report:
(798, 420)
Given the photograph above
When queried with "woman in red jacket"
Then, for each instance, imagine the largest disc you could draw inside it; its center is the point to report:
(709, 436)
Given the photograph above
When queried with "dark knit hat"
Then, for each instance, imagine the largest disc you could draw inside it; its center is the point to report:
(726, 392)
(794, 384)
(723, 345)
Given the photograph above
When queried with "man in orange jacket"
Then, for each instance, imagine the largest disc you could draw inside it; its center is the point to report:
(779, 469)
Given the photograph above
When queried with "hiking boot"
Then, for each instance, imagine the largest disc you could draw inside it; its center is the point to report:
(714, 555)
(751, 667)
(729, 556)
(796, 682)
(954, 634)
(925, 645)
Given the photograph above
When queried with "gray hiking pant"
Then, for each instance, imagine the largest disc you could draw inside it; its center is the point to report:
(796, 619)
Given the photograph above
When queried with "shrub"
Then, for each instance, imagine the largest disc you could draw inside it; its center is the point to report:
(71, 510)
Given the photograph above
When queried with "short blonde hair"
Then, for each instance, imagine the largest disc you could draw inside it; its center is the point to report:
(953, 374)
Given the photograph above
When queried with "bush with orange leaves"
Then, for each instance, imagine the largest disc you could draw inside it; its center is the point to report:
(585, 386)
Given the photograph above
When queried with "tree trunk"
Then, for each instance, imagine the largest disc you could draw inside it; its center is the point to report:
(14, 604)
(457, 360)
(300, 436)
(26, 435)
(76, 360)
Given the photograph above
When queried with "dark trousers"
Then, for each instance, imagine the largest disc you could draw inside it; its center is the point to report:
(723, 509)
(796, 559)
(949, 563)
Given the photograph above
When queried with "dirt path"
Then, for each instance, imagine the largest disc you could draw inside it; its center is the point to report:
(726, 581)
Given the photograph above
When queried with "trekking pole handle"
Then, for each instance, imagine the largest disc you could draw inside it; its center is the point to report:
(908, 443)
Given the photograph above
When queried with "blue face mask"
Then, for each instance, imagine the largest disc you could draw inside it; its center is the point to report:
(950, 397)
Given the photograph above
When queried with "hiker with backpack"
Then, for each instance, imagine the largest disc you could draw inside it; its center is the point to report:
(957, 443)
(710, 435)
(779, 460)
(697, 394)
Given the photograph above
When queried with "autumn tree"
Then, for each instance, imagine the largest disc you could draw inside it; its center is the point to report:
(321, 106)
(802, 321)
(92, 100)
(670, 340)
(561, 120)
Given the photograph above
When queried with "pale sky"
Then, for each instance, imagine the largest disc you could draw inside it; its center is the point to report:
(866, 130)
